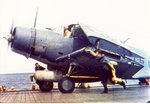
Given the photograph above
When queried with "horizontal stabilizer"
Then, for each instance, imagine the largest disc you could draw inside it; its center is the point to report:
(143, 73)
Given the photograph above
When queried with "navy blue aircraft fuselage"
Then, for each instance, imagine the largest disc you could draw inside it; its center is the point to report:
(60, 53)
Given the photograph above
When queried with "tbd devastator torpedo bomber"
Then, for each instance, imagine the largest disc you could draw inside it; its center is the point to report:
(67, 56)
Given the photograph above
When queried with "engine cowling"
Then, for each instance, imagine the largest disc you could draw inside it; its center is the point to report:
(23, 40)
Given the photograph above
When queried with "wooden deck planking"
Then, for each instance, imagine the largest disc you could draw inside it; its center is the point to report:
(131, 94)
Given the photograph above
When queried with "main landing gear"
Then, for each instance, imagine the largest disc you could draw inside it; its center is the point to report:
(45, 86)
(66, 85)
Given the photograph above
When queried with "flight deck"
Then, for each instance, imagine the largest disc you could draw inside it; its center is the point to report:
(133, 94)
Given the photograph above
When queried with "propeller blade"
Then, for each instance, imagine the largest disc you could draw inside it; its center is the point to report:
(9, 39)
(12, 27)
(36, 17)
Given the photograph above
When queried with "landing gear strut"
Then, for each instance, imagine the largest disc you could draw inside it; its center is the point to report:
(66, 85)
(71, 68)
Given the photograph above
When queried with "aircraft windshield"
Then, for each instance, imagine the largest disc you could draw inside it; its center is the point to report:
(59, 30)
(77, 32)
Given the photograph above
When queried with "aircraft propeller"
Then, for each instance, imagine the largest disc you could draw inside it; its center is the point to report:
(10, 37)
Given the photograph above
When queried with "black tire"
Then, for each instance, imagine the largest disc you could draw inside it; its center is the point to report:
(66, 85)
(45, 86)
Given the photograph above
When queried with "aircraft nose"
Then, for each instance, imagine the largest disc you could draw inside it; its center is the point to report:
(22, 40)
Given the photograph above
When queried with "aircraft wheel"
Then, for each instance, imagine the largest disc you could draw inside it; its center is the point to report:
(66, 85)
(45, 86)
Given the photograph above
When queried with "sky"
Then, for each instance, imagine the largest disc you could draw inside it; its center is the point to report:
(120, 19)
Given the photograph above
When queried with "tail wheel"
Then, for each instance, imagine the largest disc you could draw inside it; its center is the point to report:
(66, 85)
(46, 86)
